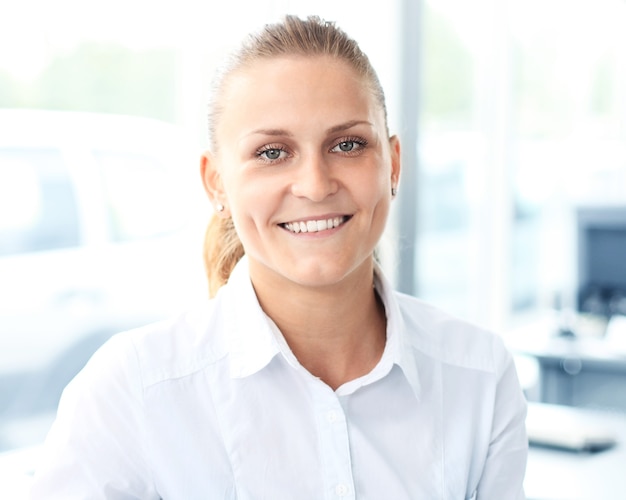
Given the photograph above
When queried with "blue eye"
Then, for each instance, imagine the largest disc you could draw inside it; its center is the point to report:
(349, 146)
(271, 153)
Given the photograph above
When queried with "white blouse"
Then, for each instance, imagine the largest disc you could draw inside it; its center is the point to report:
(214, 405)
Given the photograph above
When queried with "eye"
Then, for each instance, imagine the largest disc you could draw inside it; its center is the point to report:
(271, 153)
(351, 145)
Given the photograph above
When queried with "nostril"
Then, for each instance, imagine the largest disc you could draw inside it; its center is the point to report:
(314, 180)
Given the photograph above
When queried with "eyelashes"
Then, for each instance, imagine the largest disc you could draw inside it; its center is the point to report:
(272, 153)
(276, 153)
(349, 145)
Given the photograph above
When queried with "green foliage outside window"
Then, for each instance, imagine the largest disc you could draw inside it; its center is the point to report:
(100, 78)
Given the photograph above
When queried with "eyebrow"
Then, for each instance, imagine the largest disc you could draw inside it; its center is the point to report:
(347, 125)
(332, 130)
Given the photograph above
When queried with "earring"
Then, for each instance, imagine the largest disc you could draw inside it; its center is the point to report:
(219, 207)
(394, 191)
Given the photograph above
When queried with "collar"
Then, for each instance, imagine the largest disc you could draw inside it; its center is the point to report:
(398, 350)
(253, 339)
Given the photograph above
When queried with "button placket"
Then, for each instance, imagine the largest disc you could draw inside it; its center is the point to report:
(341, 490)
(334, 445)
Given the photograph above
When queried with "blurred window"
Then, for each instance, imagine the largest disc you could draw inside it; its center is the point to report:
(141, 195)
(38, 209)
(517, 128)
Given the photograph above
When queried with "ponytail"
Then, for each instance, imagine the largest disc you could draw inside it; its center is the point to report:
(222, 251)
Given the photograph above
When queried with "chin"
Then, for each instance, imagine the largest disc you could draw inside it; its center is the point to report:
(322, 274)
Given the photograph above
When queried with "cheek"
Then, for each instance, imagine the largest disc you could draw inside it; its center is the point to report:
(377, 195)
(374, 188)
(252, 201)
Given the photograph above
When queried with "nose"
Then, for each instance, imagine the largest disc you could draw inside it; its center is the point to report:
(314, 179)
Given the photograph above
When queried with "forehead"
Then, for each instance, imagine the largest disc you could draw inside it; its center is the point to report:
(294, 88)
(297, 63)
(298, 69)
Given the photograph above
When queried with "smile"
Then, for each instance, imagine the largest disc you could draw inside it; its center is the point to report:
(314, 226)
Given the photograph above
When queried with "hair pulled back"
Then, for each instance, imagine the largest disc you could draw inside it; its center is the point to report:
(291, 37)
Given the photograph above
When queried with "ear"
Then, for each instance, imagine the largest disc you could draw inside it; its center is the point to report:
(213, 185)
(394, 146)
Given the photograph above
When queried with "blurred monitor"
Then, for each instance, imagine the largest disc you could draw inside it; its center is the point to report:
(602, 259)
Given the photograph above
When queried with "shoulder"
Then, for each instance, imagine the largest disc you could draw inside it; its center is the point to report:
(449, 339)
(169, 349)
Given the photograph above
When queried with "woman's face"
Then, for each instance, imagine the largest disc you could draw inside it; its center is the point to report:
(304, 167)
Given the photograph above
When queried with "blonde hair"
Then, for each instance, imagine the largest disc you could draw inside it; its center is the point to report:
(293, 36)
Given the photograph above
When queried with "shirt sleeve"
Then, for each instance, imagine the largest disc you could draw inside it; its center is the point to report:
(505, 467)
(96, 448)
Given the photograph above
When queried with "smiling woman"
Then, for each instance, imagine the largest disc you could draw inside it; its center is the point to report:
(272, 168)
(305, 372)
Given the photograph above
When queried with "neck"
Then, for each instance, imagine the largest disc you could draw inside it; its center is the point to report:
(336, 332)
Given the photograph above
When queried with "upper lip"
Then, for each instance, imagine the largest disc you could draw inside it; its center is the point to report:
(316, 218)
(319, 223)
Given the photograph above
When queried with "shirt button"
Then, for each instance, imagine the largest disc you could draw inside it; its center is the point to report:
(332, 416)
(341, 490)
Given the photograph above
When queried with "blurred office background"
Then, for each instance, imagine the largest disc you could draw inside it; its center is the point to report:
(512, 115)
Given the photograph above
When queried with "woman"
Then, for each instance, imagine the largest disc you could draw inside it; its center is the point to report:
(305, 376)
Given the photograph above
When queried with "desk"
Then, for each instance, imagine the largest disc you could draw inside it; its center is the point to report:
(574, 371)
(564, 475)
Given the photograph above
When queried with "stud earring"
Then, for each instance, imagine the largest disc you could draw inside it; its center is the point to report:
(394, 191)
(219, 207)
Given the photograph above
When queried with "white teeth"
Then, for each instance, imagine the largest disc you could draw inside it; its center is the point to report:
(312, 226)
